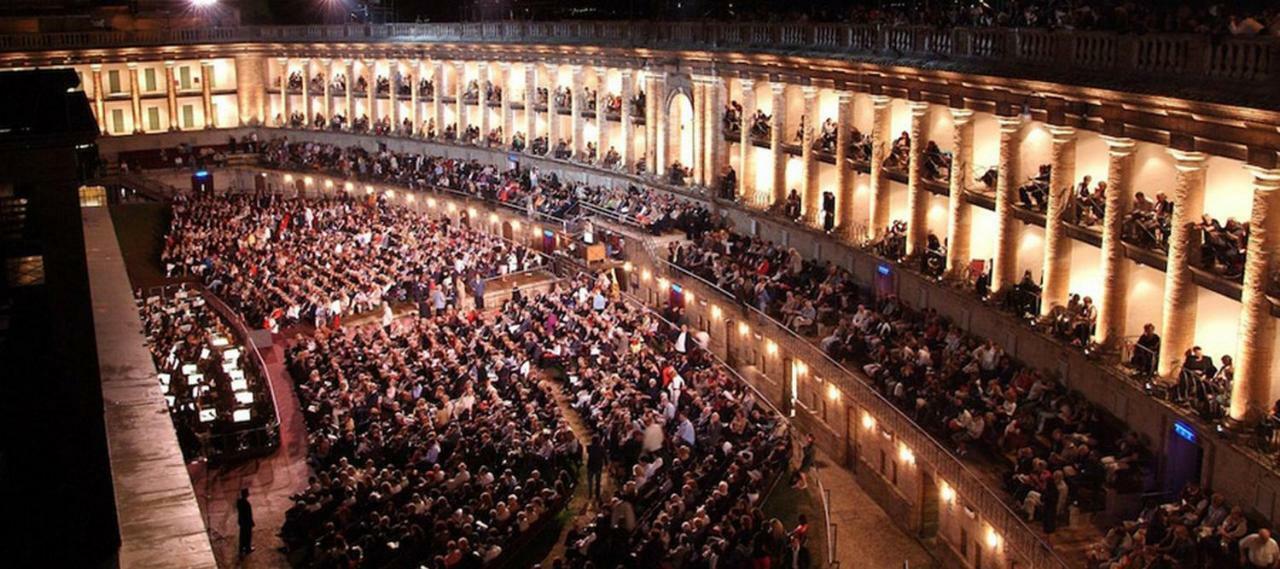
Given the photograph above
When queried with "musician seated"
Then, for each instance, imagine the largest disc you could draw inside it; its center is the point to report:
(937, 164)
(1195, 367)
(612, 158)
(899, 152)
(1026, 295)
(1035, 193)
(1146, 351)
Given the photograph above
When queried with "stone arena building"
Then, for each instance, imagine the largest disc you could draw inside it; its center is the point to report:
(1183, 116)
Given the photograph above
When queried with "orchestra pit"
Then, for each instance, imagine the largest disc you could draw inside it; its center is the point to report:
(688, 285)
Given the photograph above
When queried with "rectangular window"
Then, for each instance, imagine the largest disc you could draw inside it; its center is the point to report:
(117, 121)
(113, 82)
(149, 82)
(184, 77)
(153, 118)
(188, 116)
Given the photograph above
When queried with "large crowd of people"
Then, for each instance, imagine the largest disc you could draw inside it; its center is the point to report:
(281, 261)
(529, 189)
(963, 389)
(390, 404)
(432, 443)
(1196, 529)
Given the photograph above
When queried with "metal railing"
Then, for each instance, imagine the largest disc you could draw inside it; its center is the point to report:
(995, 509)
(1190, 56)
(824, 495)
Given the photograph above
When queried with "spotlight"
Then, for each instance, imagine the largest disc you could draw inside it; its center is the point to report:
(203, 3)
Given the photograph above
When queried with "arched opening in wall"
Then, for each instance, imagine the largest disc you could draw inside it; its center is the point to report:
(680, 131)
(507, 233)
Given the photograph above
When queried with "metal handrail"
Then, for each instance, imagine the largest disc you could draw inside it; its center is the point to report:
(824, 495)
(967, 482)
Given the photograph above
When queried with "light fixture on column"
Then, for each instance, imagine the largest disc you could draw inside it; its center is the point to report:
(715, 312)
(993, 538)
(946, 492)
(905, 454)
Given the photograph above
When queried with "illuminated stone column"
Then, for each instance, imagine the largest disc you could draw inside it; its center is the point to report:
(746, 162)
(327, 64)
(99, 104)
(206, 92)
(845, 203)
(1251, 389)
(627, 151)
(349, 100)
(661, 155)
(602, 122)
(880, 141)
(371, 96)
(1057, 246)
(553, 117)
(437, 96)
(136, 96)
(576, 106)
(917, 196)
(171, 96)
(393, 93)
(284, 89)
(483, 100)
(777, 136)
(714, 150)
(1113, 304)
(251, 89)
(530, 99)
(508, 115)
(812, 196)
(1178, 320)
(699, 126)
(460, 89)
(650, 121)
(415, 96)
(307, 111)
(959, 215)
(1005, 267)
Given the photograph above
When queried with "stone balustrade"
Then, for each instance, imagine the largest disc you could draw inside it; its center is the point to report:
(1082, 57)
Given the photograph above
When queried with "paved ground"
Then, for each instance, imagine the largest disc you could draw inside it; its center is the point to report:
(270, 480)
(865, 536)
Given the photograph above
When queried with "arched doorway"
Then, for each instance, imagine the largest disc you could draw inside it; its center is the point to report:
(680, 122)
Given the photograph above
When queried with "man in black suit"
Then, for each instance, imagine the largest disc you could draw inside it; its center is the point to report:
(595, 466)
(244, 514)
